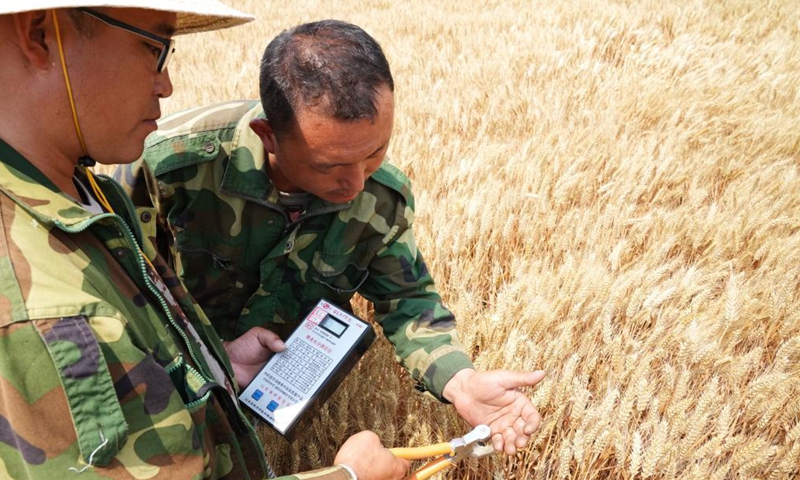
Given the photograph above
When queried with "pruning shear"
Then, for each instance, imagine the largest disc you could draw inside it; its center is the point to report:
(471, 445)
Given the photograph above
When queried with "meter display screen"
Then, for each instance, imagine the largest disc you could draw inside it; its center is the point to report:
(334, 326)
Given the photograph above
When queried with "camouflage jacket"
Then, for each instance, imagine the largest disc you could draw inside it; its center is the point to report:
(106, 368)
(247, 264)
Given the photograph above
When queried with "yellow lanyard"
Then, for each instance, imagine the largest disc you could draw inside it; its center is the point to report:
(95, 188)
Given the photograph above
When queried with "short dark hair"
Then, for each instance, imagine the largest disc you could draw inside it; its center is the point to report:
(330, 64)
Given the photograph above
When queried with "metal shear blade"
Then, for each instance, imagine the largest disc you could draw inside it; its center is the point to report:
(472, 444)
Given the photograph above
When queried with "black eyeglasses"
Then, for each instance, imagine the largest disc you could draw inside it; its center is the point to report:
(167, 44)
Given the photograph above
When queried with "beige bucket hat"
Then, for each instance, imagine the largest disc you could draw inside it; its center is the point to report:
(193, 15)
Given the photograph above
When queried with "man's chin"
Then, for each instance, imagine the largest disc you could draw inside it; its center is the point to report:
(130, 155)
(341, 198)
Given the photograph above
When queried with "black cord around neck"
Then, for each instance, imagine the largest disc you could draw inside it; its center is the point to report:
(86, 161)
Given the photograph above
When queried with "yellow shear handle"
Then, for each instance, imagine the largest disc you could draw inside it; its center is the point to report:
(431, 468)
(416, 453)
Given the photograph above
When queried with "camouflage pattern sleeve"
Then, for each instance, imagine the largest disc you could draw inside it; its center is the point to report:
(407, 304)
(415, 320)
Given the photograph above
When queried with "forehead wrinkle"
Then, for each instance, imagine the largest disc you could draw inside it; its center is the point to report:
(337, 155)
(345, 135)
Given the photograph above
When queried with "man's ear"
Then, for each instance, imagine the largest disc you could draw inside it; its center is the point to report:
(32, 29)
(262, 128)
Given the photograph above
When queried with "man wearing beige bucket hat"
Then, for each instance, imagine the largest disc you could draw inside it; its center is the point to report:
(108, 368)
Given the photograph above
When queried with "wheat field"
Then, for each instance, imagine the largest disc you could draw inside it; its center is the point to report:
(608, 191)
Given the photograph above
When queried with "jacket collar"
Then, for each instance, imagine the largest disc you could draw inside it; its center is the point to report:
(33, 191)
(245, 174)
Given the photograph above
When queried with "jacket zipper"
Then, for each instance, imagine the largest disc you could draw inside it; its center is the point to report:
(129, 236)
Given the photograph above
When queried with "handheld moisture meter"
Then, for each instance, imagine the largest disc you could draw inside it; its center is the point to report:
(319, 354)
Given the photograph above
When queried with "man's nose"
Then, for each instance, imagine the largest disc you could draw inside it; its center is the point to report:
(358, 178)
(351, 179)
(163, 85)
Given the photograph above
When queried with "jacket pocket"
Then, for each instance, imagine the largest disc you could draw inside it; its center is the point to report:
(339, 272)
(220, 252)
(210, 268)
(87, 385)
